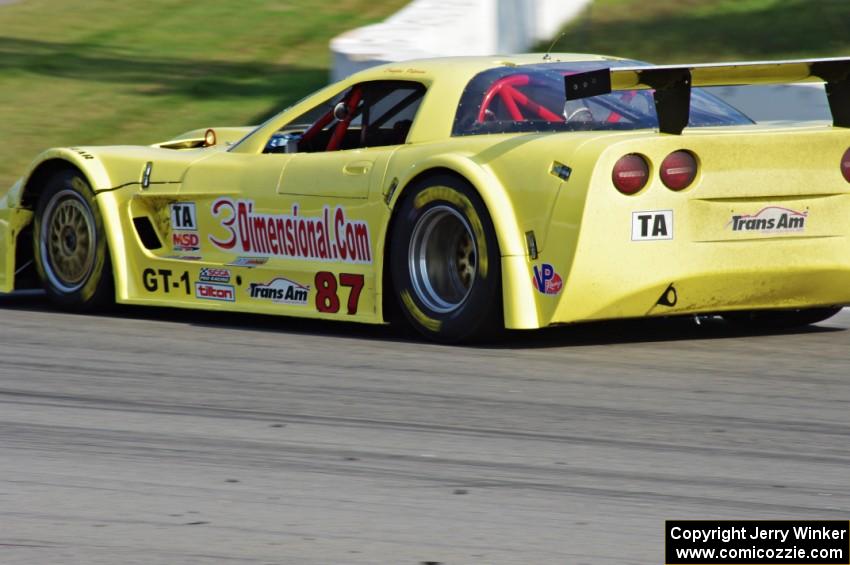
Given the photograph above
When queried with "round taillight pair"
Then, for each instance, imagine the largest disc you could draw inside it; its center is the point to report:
(845, 165)
(678, 171)
(631, 172)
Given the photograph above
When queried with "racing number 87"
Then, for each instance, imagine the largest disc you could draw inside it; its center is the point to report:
(327, 299)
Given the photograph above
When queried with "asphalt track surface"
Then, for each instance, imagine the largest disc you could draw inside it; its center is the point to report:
(161, 436)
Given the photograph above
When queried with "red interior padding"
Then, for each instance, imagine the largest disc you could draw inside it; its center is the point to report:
(626, 97)
(513, 99)
(342, 126)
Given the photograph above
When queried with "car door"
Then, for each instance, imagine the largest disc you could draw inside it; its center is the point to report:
(297, 223)
(331, 192)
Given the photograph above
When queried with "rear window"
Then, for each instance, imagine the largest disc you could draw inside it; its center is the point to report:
(531, 98)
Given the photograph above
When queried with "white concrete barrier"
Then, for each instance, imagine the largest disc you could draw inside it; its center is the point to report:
(437, 28)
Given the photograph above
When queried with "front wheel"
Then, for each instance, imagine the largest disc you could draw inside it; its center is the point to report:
(69, 244)
(445, 262)
(780, 319)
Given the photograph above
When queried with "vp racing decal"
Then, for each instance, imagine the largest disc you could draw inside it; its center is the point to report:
(329, 237)
(547, 280)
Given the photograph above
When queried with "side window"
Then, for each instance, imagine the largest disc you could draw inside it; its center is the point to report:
(370, 114)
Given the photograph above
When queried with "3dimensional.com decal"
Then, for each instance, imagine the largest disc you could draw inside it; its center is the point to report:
(329, 237)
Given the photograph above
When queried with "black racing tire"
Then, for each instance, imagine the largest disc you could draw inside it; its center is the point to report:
(780, 319)
(69, 245)
(445, 262)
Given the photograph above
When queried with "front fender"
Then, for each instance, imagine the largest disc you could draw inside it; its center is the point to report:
(12, 221)
(91, 166)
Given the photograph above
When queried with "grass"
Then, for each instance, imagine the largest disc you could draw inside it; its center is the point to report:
(86, 72)
(676, 31)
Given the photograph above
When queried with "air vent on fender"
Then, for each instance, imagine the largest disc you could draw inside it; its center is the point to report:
(147, 234)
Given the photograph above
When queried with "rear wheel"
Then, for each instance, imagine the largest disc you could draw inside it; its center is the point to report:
(69, 244)
(779, 319)
(445, 262)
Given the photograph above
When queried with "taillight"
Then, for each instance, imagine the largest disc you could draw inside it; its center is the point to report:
(678, 170)
(845, 165)
(630, 173)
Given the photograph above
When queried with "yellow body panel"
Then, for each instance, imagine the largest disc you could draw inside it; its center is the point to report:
(212, 210)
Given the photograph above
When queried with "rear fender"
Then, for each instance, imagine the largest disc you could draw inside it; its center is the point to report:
(520, 310)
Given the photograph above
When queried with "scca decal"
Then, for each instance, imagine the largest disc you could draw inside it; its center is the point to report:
(209, 274)
(547, 280)
(329, 237)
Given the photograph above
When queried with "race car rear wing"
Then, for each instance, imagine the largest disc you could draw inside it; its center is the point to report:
(672, 84)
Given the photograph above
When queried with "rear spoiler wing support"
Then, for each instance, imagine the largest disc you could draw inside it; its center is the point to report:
(672, 84)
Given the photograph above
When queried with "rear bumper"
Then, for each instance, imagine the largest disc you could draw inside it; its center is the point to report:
(801, 273)
(662, 278)
(711, 260)
(697, 291)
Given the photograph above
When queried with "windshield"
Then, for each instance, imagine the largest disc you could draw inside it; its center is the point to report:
(531, 98)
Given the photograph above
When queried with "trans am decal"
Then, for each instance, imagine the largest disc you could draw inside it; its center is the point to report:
(329, 237)
(280, 291)
(772, 219)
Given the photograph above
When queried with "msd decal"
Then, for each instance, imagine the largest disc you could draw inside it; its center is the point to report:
(280, 291)
(183, 226)
(185, 241)
(772, 219)
(329, 237)
(546, 280)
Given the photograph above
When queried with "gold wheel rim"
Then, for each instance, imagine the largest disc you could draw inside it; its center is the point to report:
(69, 241)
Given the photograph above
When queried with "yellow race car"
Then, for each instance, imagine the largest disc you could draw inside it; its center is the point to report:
(463, 195)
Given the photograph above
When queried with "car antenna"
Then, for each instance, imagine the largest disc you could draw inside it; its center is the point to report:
(547, 56)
